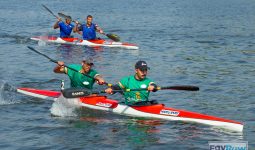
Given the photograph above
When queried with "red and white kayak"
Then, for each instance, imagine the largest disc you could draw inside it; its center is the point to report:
(77, 41)
(159, 111)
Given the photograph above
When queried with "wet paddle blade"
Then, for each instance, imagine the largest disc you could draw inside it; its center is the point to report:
(113, 37)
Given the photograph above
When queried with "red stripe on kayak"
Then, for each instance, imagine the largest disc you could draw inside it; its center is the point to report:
(109, 42)
(54, 94)
(99, 101)
(188, 114)
(154, 109)
(98, 41)
(128, 44)
(52, 37)
(71, 39)
(159, 108)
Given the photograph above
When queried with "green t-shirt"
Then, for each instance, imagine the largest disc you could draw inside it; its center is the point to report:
(80, 80)
(131, 82)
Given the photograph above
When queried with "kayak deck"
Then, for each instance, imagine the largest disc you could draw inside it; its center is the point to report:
(159, 111)
(44, 94)
(77, 41)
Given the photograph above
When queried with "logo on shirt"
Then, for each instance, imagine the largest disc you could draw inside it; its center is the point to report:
(85, 83)
(137, 95)
(143, 86)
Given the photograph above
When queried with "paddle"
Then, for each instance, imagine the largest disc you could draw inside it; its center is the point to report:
(50, 11)
(80, 92)
(76, 92)
(111, 36)
(55, 61)
(65, 16)
(177, 87)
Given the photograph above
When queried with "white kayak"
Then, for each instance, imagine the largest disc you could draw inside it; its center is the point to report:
(159, 111)
(90, 43)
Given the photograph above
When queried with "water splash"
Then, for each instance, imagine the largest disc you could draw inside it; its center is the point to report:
(19, 39)
(41, 43)
(6, 94)
(64, 107)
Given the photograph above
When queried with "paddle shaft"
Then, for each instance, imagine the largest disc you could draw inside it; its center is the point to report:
(49, 11)
(178, 87)
(81, 92)
(55, 61)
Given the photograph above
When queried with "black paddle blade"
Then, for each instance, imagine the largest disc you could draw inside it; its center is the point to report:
(113, 37)
(76, 92)
(181, 87)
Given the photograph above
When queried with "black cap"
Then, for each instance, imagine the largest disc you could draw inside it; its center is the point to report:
(141, 65)
(68, 17)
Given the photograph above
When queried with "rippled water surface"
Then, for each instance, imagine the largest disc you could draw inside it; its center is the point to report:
(205, 43)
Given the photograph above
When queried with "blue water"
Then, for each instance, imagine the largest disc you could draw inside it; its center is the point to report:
(205, 43)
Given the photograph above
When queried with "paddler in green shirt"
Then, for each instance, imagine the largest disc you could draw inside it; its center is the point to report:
(77, 78)
(137, 81)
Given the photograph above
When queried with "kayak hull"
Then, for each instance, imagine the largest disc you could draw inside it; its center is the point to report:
(159, 111)
(91, 43)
